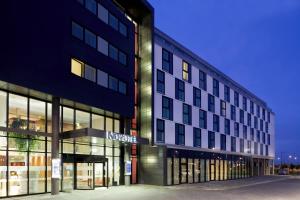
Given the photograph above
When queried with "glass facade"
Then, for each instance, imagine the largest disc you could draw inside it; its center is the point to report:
(25, 160)
(195, 167)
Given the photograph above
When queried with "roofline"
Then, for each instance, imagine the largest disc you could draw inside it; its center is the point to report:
(199, 62)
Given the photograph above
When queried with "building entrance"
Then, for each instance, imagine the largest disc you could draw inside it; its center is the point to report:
(84, 172)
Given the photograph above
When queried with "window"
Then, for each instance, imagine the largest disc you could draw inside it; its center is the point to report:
(216, 123)
(102, 13)
(113, 83)
(227, 93)
(267, 150)
(90, 38)
(241, 116)
(242, 145)
(245, 132)
(236, 99)
(257, 110)
(261, 149)
(167, 108)
(179, 134)
(249, 119)
(77, 67)
(255, 148)
(102, 46)
(197, 137)
(223, 142)
(264, 138)
(202, 119)
(267, 127)
(82, 119)
(248, 146)
(264, 114)
(251, 107)
(269, 139)
(160, 86)
(197, 97)
(122, 58)
(179, 89)
(227, 126)
(245, 103)
(202, 80)
(216, 87)
(113, 52)
(211, 103)
(186, 71)
(223, 108)
(37, 115)
(160, 130)
(90, 73)
(122, 87)
(77, 31)
(211, 140)
(236, 129)
(255, 122)
(233, 113)
(261, 125)
(102, 78)
(187, 114)
(123, 29)
(252, 134)
(91, 5)
(269, 117)
(113, 21)
(233, 144)
(257, 136)
(167, 61)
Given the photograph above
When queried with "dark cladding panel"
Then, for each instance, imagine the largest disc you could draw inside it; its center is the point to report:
(38, 45)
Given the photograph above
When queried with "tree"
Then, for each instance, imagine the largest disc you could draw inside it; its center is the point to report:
(22, 141)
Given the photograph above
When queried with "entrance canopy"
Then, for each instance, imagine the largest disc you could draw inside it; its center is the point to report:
(89, 134)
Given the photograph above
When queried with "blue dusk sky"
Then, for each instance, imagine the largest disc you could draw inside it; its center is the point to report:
(255, 42)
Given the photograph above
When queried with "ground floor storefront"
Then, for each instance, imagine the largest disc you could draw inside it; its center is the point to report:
(95, 148)
(186, 166)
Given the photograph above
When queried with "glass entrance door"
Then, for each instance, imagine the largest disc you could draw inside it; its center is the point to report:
(68, 176)
(100, 175)
(84, 176)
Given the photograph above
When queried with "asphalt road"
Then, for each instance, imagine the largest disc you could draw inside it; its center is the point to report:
(263, 188)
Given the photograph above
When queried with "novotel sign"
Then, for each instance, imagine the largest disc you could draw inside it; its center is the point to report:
(120, 137)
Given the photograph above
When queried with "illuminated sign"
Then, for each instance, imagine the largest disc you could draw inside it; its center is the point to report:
(120, 137)
(128, 168)
(56, 168)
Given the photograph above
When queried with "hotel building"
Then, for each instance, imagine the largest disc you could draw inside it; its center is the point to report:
(92, 95)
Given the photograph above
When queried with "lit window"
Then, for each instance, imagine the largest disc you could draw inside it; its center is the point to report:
(186, 71)
(77, 67)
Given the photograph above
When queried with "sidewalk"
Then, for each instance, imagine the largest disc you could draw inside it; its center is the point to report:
(233, 184)
(145, 192)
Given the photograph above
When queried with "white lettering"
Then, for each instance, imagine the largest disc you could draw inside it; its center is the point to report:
(120, 137)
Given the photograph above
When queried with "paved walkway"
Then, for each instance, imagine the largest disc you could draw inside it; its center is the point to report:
(252, 188)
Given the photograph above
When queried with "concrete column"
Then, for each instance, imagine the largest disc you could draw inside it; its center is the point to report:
(55, 141)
